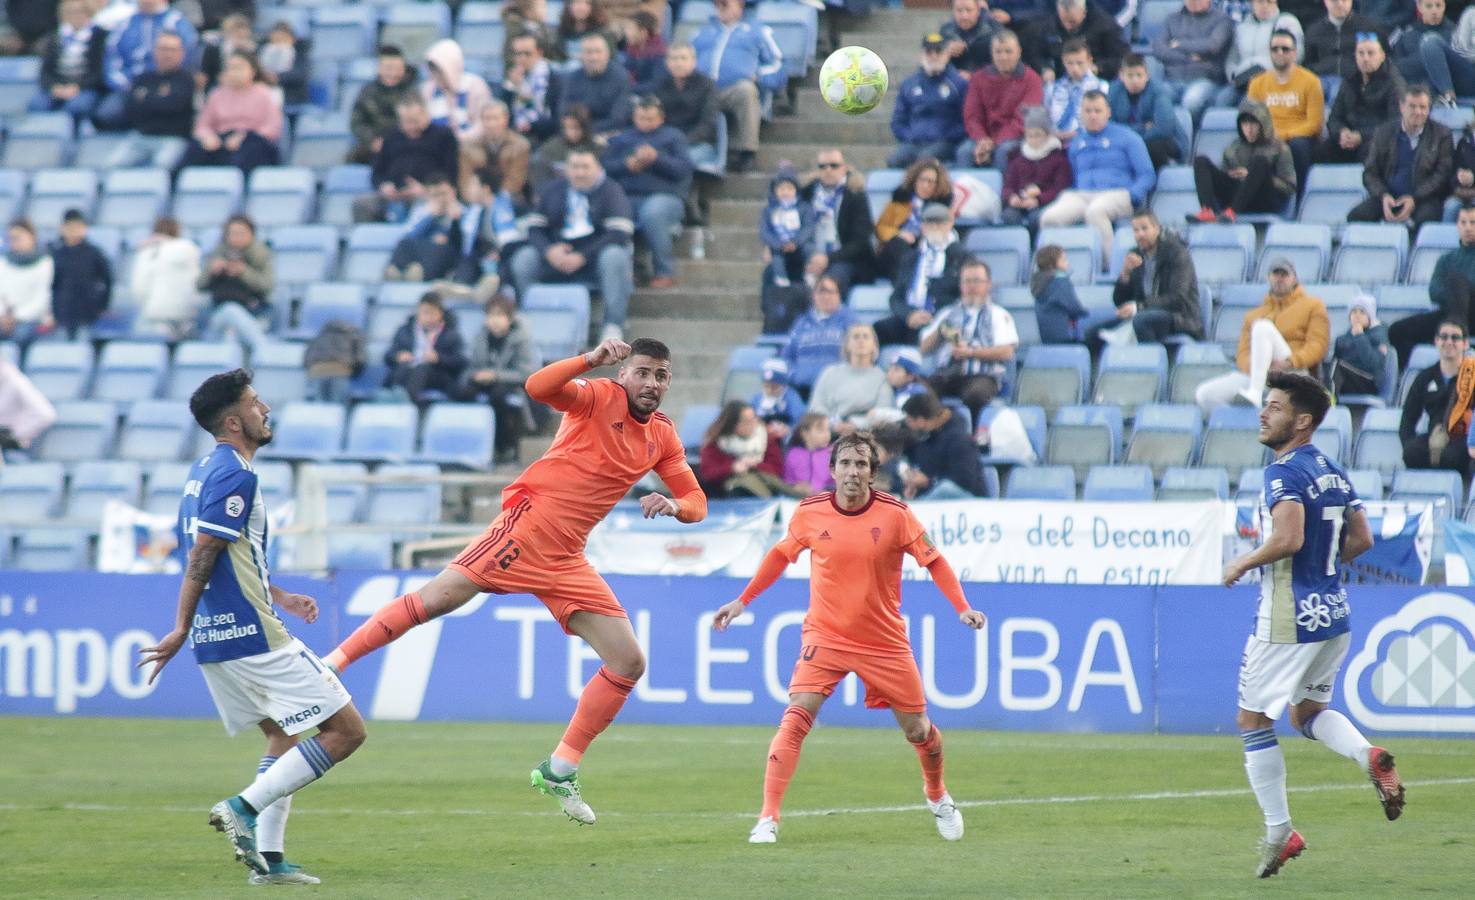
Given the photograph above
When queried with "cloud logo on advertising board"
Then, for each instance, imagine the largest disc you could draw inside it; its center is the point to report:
(1416, 670)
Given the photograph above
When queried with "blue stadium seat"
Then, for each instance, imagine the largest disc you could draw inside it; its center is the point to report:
(870, 302)
(1233, 439)
(30, 492)
(1082, 245)
(310, 431)
(1441, 487)
(1308, 246)
(1371, 254)
(1175, 196)
(296, 13)
(279, 373)
(573, 297)
(1052, 376)
(795, 30)
(12, 193)
(413, 27)
(1118, 483)
(1378, 445)
(480, 25)
(128, 371)
(19, 76)
(369, 248)
(1368, 483)
(458, 434)
(555, 332)
(84, 429)
(51, 550)
(1183, 483)
(1216, 130)
(95, 483)
(412, 502)
(60, 370)
(1131, 375)
(194, 361)
(360, 550)
(1422, 357)
(1151, 17)
(341, 186)
(1337, 297)
(990, 178)
(1334, 436)
(381, 432)
(1033, 420)
(275, 480)
(343, 32)
(205, 196)
(346, 500)
(1330, 193)
(1041, 483)
(745, 372)
(694, 423)
(38, 141)
(103, 150)
(1435, 239)
(1390, 384)
(133, 197)
(880, 185)
(1084, 436)
(1222, 253)
(156, 431)
(1005, 249)
(1195, 364)
(1395, 301)
(320, 140)
(281, 195)
(1164, 435)
(164, 486)
(304, 253)
(327, 301)
(54, 191)
(1250, 487)
(1228, 323)
(385, 320)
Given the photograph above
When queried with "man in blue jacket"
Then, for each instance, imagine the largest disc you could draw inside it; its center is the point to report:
(743, 58)
(130, 53)
(1146, 106)
(1112, 173)
(650, 161)
(600, 84)
(928, 117)
(581, 231)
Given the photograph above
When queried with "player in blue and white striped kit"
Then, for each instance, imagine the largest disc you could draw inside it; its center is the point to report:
(258, 674)
(1311, 521)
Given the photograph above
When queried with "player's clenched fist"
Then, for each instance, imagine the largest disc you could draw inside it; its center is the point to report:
(658, 505)
(727, 614)
(973, 618)
(609, 352)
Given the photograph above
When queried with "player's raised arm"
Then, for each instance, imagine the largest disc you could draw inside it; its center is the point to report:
(553, 384)
(769, 570)
(197, 573)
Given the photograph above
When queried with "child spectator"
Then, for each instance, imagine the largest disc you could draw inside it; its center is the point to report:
(83, 278)
(786, 228)
(807, 462)
(1058, 310)
(1359, 360)
(1063, 96)
(427, 354)
(433, 245)
(285, 63)
(25, 286)
(645, 51)
(775, 400)
(502, 358)
(907, 377)
(1146, 107)
(1037, 171)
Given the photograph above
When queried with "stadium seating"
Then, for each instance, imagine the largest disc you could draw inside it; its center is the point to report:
(1434, 240)
(156, 431)
(54, 191)
(458, 434)
(1084, 436)
(1041, 483)
(360, 550)
(95, 483)
(369, 247)
(1052, 376)
(325, 302)
(1440, 487)
(12, 193)
(572, 297)
(555, 332)
(345, 500)
(381, 432)
(30, 492)
(84, 430)
(48, 549)
(413, 27)
(1006, 250)
(321, 141)
(275, 481)
(281, 195)
(19, 76)
(1233, 439)
(1131, 375)
(206, 195)
(1183, 483)
(1196, 363)
(164, 486)
(1222, 253)
(1334, 437)
(407, 503)
(745, 372)
(1371, 253)
(194, 361)
(1108, 483)
(307, 431)
(1368, 483)
(870, 302)
(341, 186)
(304, 253)
(1175, 196)
(133, 198)
(1164, 435)
(279, 374)
(60, 370)
(1307, 246)
(343, 32)
(130, 371)
(1033, 420)
(38, 141)
(1331, 192)
(1378, 445)
(1216, 130)
(1082, 246)
(694, 424)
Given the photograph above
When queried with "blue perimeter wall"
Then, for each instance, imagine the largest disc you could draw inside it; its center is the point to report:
(1052, 658)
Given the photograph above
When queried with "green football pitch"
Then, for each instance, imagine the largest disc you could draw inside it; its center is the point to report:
(117, 807)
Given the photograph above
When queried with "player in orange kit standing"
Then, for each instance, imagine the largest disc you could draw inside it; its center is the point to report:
(610, 438)
(855, 537)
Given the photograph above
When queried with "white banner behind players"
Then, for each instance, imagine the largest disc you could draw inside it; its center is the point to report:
(985, 540)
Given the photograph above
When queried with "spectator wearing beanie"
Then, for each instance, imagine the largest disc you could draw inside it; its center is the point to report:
(1037, 171)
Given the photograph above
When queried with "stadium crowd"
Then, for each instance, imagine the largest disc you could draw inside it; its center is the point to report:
(574, 161)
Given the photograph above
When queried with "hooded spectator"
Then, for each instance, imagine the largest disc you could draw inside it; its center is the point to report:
(453, 95)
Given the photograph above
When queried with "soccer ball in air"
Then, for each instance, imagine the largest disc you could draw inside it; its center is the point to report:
(853, 80)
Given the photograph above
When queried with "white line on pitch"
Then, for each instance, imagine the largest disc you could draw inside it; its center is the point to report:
(1207, 793)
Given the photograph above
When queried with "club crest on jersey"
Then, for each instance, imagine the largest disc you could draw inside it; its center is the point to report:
(875, 535)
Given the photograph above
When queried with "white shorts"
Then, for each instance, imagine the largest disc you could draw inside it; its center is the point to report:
(1272, 676)
(290, 686)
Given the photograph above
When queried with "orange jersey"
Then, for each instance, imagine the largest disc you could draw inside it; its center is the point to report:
(855, 570)
(598, 455)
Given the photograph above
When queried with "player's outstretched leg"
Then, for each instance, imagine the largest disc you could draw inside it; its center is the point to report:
(1338, 733)
(271, 824)
(783, 759)
(439, 596)
(1265, 766)
(238, 817)
(927, 741)
(599, 703)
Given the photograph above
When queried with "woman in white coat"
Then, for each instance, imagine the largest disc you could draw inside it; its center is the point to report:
(165, 267)
(25, 286)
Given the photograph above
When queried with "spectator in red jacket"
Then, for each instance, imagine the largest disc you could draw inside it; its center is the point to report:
(740, 458)
(996, 96)
(1037, 171)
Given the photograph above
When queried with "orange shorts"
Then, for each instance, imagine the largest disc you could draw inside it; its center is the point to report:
(514, 556)
(891, 681)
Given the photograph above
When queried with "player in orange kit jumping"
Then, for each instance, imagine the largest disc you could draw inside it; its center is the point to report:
(856, 537)
(610, 438)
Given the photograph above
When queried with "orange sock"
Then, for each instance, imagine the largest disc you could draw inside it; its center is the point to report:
(386, 624)
(783, 758)
(598, 705)
(930, 753)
